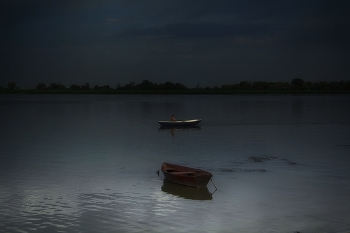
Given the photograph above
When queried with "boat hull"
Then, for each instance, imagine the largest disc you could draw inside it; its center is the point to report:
(180, 123)
(185, 175)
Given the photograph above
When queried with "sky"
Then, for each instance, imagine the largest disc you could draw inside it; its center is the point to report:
(205, 42)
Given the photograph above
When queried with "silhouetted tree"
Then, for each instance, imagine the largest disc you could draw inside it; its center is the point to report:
(244, 85)
(347, 85)
(282, 86)
(11, 85)
(146, 85)
(86, 86)
(179, 86)
(129, 86)
(297, 83)
(335, 86)
(56, 86)
(104, 87)
(74, 87)
(224, 87)
(168, 86)
(41, 86)
(308, 86)
(261, 85)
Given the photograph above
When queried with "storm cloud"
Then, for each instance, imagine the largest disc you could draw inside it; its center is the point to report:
(206, 42)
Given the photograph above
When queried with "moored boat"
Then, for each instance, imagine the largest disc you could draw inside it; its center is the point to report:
(185, 175)
(191, 122)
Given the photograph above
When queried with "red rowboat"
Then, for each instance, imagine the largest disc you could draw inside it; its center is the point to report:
(185, 175)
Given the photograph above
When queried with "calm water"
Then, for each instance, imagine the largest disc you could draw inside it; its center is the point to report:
(87, 163)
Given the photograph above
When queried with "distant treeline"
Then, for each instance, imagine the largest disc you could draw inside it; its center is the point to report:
(146, 85)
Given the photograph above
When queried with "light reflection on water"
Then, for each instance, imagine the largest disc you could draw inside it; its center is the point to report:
(88, 163)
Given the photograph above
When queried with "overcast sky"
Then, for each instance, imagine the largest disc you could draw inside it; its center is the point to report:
(193, 42)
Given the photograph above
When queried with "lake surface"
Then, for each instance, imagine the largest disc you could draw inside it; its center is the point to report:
(87, 163)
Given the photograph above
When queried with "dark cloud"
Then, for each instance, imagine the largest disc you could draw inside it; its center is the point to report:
(198, 30)
(173, 40)
(17, 11)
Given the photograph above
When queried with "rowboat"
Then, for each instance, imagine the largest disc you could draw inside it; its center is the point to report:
(180, 122)
(185, 175)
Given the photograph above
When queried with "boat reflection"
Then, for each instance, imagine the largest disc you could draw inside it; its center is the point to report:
(173, 129)
(186, 192)
(184, 127)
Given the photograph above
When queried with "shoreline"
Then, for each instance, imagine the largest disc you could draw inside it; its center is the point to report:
(171, 92)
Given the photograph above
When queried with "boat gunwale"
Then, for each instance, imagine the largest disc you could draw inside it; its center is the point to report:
(183, 169)
(187, 176)
(180, 122)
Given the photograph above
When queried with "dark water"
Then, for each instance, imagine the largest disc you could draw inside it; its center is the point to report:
(87, 163)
